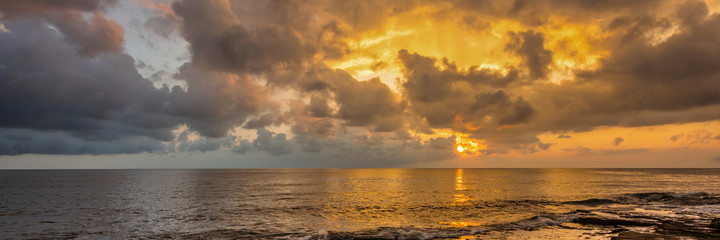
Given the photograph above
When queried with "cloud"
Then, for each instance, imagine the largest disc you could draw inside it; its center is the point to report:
(442, 96)
(676, 74)
(587, 151)
(46, 85)
(64, 77)
(49, 84)
(215, 102)
(579, 150)
(92, 36)
(472, 100)
(25, 141)
(367, 103)
(272, 143)
(694, 137)
(529, 45)
(675, 137)
(183, 143)
(617, 141)
(219, 42)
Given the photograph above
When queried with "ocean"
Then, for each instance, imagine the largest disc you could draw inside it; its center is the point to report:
(360, 204)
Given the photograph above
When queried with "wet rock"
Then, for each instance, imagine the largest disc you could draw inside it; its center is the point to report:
(680, 229)
(593, 202)
(636, 235)
(611, 222)
(715, 223)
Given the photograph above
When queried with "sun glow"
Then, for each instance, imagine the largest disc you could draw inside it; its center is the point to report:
(467, 145)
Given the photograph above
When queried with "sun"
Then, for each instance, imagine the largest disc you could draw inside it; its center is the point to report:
(467, 145)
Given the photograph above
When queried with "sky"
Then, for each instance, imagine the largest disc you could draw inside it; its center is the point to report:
(325, 83)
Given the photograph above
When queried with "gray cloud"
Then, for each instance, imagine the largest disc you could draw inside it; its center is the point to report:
(219, 42)
(440, 96)
(14, 8)
(92, 37)
(677, 74)
(24, 141)
(529, 45)
(368, 103)
(161, 25)
(617, 141)
(61, 90)
(273, 143)
(215, 102)
(50, 84)
(70, 88)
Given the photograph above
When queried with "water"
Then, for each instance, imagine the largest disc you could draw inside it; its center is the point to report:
(349, 203)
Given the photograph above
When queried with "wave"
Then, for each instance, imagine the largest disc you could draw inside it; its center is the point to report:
(612, 222)
(686, 211)
(695, 198)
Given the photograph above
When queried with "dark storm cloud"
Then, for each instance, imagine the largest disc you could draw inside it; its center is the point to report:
(215, 102)
(12, 8)
(360, 103)
(60, 90)
(319, 106)
(680, 73)
(379, 149)
(26, 141)
(640, 84)
(443, 95)
(537, 12)
(498, 104)
(183, 143)
(366, 15)
(529, 45)
(67, 84)
(262, 121)
(242, 147)
(70, 89)
(272, 143)
(472, 100)
(93, 36)
(219, 42)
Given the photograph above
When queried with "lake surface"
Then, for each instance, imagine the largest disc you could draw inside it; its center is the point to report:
(355, 203)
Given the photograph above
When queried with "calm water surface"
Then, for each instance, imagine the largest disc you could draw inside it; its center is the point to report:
(301, 203)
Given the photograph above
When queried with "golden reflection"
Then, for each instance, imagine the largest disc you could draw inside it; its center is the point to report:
(459, 197)
(460, 224)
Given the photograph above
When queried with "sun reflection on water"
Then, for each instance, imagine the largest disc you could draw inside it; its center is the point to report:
(459, 197)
